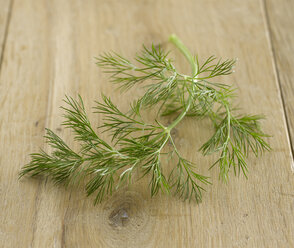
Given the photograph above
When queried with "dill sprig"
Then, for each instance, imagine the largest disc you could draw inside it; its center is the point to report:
(138, 147)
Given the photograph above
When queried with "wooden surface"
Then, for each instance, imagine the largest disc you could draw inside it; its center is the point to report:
(49, 50)
(4, 17)
(280, 19)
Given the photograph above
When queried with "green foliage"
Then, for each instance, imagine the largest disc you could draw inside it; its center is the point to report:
(140, 147)
(234, 138)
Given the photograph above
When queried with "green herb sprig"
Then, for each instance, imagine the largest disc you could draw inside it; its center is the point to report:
(138, 147)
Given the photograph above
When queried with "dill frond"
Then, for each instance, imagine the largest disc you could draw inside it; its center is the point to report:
(137, 146)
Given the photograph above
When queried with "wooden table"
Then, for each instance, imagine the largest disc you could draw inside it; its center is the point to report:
(47, 51)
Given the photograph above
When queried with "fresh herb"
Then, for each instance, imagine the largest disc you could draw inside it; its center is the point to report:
(137, 147)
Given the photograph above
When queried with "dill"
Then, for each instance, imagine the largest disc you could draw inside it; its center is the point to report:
(137, 146)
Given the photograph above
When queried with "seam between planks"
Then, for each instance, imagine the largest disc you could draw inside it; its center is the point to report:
(6, 33)
(41, 183)
(277, 77)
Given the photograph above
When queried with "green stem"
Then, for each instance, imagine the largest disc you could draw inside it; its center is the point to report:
(228, 123)
(181, 116)
(184, 50)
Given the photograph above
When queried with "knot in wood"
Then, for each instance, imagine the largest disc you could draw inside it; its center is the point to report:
(125, 210)
(120, 216)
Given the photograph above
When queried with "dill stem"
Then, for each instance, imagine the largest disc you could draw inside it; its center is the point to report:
(185, 51)
(181, 116)
(229, 122)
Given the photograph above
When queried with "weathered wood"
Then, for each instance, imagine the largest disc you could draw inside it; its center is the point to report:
(4, 20)
(280, 19)
(26, 74)
(49, 53)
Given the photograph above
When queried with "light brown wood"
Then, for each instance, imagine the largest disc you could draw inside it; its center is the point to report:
(49, 53)
(4, 16)
(280, 18)
(26, 74)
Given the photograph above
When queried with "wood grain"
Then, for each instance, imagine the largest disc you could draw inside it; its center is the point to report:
(49, 53)
(4, 19)
(280, 18)
(23, 110)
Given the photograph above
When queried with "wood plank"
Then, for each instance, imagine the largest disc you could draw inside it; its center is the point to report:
(4, 17)
(244, 213)
(26, 75)
(280, 18)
